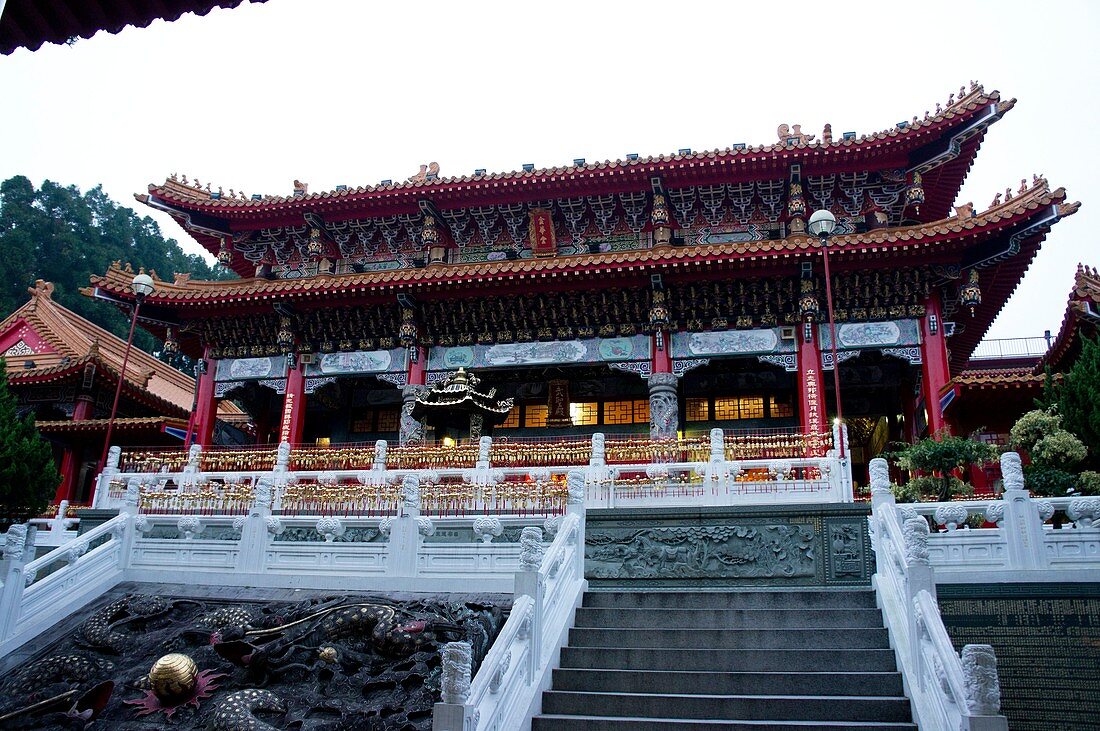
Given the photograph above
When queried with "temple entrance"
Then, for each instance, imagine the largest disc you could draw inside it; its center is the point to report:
(738, 393)
(352, 409)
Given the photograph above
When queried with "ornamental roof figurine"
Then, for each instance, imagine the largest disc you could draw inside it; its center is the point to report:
(461, 394)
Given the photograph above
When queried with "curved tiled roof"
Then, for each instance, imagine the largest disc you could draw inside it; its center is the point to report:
(138, 423)
(74, 341)
(999, 378)
(913, 135)
(1004, 214)
(1086, 289)
(31, 23)
(74, 338)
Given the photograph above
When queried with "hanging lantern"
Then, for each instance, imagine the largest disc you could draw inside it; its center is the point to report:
(914, 195)
(284, 336)
(662, 230)
(171, 345)
(407, 332)
(807, 302)
(316, 245)
(970, 294)
(659, 318)
(225, 256)
(796, 204)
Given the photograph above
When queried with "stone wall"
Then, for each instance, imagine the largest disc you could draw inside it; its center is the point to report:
(767, 546)
(1045, 637)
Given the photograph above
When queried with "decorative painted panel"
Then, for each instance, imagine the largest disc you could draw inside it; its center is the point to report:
(250, 369)
(359, 362)
(730, 343)
(857, 335)
(591, 350)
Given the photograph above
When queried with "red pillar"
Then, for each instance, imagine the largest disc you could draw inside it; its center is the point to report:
(293, 420)
(908, 412)
(662, 357)
(934, 368)
(418, 367)
(206, 406)
(70, 462)
(811, 387)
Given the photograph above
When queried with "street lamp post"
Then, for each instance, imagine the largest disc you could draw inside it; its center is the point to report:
(822, 224)
(142, 285)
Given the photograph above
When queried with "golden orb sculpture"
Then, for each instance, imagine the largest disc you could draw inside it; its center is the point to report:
(173, 677)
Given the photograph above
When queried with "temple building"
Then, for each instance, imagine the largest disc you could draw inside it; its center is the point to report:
(65, 370)
(661, 296)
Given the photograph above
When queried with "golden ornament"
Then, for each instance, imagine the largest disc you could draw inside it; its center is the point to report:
(173, 677)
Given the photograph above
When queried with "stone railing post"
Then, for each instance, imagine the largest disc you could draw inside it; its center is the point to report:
(918, 577)
(484, 446)
(574, 482)
(881, 497)
(404, 544)
(983, 689)
(452, 713)
(103, 482)
(254, 530)
(528, 583)
(17, 552)
(1023, 524)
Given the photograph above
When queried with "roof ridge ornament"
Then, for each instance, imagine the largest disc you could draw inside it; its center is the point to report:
(427, 172)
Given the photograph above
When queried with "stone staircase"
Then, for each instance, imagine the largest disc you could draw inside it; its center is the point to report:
(730, 660)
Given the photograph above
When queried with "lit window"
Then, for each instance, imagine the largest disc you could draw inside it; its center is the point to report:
(389, 420)
(534, 415)
(512, 422)
(752, 407)
(697, 410)
(584, 414)
(618, 412)
(726, 409)
(641, 411)
(362, 426)
(780, 409)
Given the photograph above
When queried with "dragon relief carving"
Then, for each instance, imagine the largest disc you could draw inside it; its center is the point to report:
(326, 662)
(724, 551)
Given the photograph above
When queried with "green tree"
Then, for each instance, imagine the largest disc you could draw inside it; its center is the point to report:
(939, 458)
(28, 477)
(64, 236)
(1079, 399)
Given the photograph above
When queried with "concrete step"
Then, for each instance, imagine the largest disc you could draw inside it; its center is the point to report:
(728, 618)
(826, 683)
(790, 639)
(741, 707)
(809, 599)
(598, 723)
(743, 660)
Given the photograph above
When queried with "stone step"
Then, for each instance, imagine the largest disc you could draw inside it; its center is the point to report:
(685, 638)
(809, 599)
(728, 618)
(597, 723)
(743, 660)
(826, 683)
(741, 707)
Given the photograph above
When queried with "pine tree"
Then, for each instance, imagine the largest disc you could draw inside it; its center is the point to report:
(1079, 399)
(28, 477)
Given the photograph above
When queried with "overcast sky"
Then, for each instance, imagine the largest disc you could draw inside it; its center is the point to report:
(331, 92)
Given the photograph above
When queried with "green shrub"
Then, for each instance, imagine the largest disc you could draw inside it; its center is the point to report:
(1088, 483)
(1048, 481)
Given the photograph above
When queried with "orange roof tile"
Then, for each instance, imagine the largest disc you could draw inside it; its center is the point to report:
(76, 340)
(1038, 197)
(191, 193)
